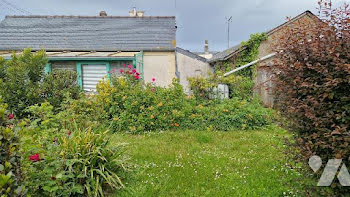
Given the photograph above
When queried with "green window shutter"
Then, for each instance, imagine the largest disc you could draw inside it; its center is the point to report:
(48, 68)
(79, 75)
(108, 69)
(138, 63)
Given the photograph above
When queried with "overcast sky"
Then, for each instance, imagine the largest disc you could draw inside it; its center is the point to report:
(197, 20)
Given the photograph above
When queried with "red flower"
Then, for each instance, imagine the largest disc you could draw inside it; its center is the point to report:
(137, 77)
(34, 158)
(153, 79)
(137, 73)
(133, 70)
(11, 116)
(121, 70)
(152, 90)
(69, 133)
(129, 66)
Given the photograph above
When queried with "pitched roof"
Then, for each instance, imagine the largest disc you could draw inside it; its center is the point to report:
(226, 54)
(221, 56)
(190, 54)
(88, 33)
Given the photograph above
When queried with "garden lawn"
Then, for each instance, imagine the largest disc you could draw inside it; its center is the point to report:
(208, 163)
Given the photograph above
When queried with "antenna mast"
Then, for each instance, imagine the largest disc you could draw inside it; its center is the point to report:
(229, 21)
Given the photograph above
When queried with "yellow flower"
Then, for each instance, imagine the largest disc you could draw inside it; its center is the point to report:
(225, 110)
(152, 123)
(115, 119)
(200, 106)
(142, 107)
(152, 116)
(160, 104)
(124, 97)
(150, 108)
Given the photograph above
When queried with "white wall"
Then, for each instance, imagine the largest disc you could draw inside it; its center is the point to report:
(159, 65)
(191, 67)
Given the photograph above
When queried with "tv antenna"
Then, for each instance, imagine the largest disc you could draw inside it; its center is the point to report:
(229, 21)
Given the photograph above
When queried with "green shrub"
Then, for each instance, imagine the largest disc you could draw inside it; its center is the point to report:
(20, 80)
(68, 160)
(136, 107)
(231, 114)
(58, 85)
(10, 168)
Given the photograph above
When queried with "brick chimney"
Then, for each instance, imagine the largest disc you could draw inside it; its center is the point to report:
(103, 13)
(135, 13)
(206, 47)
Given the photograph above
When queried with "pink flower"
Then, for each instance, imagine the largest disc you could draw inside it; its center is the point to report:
(124, 65)
(69, 133)
(11, 116)
(133, 71)
(153, 79)
(152, 90)
(129, 66)
(137, 73)
(121, 70)
(34, 158)
(137, 77)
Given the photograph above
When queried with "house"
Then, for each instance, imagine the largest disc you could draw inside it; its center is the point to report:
(93, 46)
(190, 65)
(264, 77)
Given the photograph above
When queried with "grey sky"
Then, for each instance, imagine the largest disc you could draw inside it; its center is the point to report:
(197, 19)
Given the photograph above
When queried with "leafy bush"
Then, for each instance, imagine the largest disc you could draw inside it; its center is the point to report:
(132, 106)
(68, 160)
(239, 86)
(20, 80)
(23, 83)
(58, 85)
(313, 83)
(137, 107)
(10, 168)
(231, 114)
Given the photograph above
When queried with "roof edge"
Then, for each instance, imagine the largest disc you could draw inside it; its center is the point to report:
(72, 16)
(190, 54)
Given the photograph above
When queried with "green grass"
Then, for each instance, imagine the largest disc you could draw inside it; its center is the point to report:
(208, 163)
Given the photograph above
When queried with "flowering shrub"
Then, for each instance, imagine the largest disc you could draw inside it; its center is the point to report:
(137, 107)
(133, 106)
(62, 158)
(10, 168)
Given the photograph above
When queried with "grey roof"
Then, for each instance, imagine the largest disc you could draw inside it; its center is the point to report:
(224, 55)
(88, 33)
(190, 54)
(221, 56)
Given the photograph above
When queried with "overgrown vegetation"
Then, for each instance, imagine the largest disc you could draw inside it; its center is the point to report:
(240, 83)
(68, 159)
(11, 178)
(313, 83)
(22, 85)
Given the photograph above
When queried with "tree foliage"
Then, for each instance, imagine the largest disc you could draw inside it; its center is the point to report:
(313, 82)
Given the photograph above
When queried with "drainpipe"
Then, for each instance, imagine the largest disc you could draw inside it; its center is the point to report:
(251, 63)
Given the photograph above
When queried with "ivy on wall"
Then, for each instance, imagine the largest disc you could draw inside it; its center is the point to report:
(249, 53)
(241, 83)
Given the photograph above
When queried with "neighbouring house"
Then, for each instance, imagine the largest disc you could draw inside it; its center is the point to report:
(94, 46)
(264, 78)
(190, 65)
